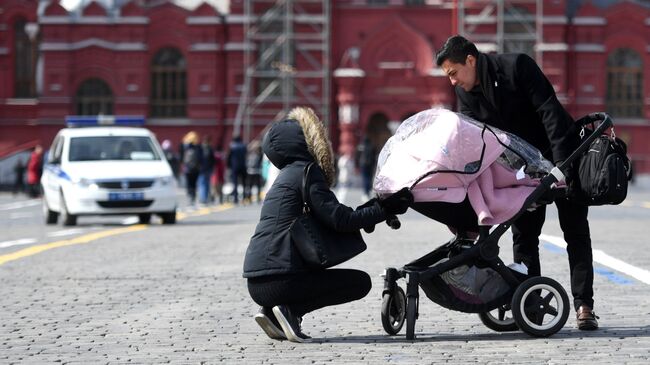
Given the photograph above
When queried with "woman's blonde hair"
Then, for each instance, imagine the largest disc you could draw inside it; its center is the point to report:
(191, 138)
(318, 143)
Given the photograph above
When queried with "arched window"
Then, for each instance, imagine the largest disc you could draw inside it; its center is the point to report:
(24, 61)
(168, 84)
(94, 97)
(625, 84)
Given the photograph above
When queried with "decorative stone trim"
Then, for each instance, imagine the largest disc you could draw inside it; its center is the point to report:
(62, 46)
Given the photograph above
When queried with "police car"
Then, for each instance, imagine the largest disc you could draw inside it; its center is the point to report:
(110, 169)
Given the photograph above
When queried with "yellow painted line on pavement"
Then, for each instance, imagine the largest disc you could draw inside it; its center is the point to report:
(33, 250)
(75, 241)
(646, 205)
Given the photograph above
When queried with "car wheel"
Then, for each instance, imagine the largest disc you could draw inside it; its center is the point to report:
(50, 216)
(169, 217)
(68, 219)
(144, 218)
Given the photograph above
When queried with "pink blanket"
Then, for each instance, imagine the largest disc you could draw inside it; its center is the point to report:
(442, 141)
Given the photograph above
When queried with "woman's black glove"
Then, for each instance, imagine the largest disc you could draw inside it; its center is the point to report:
(398, 202)
(369, 203)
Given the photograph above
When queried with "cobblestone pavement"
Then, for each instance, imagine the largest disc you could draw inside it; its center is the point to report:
(174, 294)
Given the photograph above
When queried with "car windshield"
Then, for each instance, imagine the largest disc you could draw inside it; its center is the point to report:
(123, 148)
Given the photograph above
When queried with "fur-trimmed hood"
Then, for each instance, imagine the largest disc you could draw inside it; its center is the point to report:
(301, 137)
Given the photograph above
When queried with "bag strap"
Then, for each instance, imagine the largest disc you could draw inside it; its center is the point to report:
(305, 183)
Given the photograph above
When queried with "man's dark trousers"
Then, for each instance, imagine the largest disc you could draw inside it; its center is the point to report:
(574, 224)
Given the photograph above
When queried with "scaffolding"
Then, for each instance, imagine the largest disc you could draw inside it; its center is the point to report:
(286, 61)
(502, 26)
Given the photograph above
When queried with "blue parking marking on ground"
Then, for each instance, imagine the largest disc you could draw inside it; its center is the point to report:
(607, 273)
(554, 248)
(612, 276)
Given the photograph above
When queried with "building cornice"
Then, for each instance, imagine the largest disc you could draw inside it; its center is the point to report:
(113, 46)
(589, 47)
(437, 72)
(205, 47)
(238, 46)
(589, 20)
(551, 47)
(563, 47)
(93, 20)
(349, 72)
(203, 20)
(557, 19)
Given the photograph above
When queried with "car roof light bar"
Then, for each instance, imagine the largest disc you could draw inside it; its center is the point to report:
(103, 120)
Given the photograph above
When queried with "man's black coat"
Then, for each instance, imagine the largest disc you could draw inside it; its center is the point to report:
(515, 96)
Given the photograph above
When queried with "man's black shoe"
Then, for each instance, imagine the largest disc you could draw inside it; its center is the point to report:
(290, 324)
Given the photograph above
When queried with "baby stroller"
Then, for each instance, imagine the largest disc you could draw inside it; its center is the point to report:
(464, 184)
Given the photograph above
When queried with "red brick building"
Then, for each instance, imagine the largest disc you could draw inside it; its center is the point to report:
(184, 68)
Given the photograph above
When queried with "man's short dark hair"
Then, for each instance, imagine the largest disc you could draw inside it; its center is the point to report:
(456, 49)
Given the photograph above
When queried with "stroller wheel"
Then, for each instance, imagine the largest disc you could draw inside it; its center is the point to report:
(500, 319)
(540, 306)
(393, 311)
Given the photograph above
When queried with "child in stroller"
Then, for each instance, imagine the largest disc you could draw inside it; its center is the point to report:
(471, 177)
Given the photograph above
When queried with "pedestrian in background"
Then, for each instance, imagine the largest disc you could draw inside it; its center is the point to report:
(218, 175)
(278, 279)
(191, 157)
(367, 161)
(254, 171)
(19, 173)
(237, 165)
(171, 157)
(205, 173)
(34, 171)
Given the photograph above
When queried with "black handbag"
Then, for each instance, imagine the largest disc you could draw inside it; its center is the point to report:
(321, 246)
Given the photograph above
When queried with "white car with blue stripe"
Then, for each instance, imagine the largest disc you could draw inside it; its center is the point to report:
(107, 170)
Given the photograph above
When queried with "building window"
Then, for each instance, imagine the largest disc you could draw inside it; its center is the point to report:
(24, 61)
(168, 84)
(519, 31)
(94, 97)
(625, 84)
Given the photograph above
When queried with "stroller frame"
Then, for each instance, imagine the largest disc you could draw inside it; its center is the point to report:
(527, 305)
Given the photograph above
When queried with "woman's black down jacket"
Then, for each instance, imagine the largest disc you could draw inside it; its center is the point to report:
(270, 250)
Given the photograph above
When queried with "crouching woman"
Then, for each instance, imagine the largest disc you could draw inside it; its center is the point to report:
(278, 280)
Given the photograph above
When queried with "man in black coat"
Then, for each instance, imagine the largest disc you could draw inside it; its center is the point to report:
(510, 92)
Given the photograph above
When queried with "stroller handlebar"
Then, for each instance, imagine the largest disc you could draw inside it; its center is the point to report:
(595, 117)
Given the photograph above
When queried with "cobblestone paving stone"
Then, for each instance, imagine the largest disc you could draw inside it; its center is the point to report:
(176, 295)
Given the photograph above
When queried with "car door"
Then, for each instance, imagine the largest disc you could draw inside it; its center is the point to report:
(51, 180)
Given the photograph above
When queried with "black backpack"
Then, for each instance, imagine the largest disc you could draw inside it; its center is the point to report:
(191, 159)
(603, 171)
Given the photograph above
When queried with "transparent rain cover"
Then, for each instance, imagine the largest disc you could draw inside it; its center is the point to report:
(438, 149)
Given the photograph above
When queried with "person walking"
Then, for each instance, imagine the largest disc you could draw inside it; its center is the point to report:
(237, 165)
(367, 161)
(205, 172)
(191, 155)
(510, 92)
(19, 177)
(278, 280)
(218, 177)
(34, 172)
(254, 171)
(171, 157)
